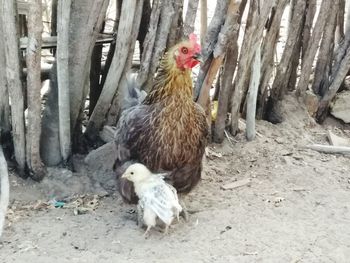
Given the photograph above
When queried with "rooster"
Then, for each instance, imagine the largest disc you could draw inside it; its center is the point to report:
(168, 131)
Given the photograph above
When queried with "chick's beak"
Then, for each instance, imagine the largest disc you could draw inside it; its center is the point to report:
(198, 57)
(125, 176)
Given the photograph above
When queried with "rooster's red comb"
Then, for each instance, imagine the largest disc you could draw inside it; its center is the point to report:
(193, 39)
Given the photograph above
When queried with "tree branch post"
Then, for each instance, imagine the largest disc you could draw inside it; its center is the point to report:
(13, 74)
(190, 17)
(63, 17)
(312, 48)
(4, 190)
(252, 94)
(253, 33)
(119, 59)
(5, 125)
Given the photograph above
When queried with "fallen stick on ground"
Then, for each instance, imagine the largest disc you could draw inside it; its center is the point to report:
(236, 184)
(329, 148)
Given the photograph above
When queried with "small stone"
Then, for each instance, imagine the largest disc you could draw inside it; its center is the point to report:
(340, 107)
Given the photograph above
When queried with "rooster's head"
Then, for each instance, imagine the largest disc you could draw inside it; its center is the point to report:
(187, 54)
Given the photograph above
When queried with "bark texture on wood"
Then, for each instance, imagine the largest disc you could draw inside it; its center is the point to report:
(340, 21)
(334, 87)
(4, 190)
(310, 12)
(282, 72)
(112, 45)
(176, 27)
(144, 24)
(226, 33)
(95, 73)
(268, 52)
(325, 54)
(85, 23)
(208, 81)
(54, 17)
(5, 126)
(301, 42)
(145, 63)
(312, 48)
(35, 28)
(253, 33)
(341, 48)
(13, 74)
(63, 77)
(120, 56)
(229, 68)
(204, 20)
(166, 17)
(115, 108)
(252, 94)
(210, 42)
(190, 17)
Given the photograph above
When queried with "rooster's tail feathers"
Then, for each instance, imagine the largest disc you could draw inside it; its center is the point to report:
(134, 95)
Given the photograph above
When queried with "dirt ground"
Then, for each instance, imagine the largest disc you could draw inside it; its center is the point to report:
(295, 209)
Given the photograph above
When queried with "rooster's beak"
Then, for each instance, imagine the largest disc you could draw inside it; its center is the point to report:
(198, 57)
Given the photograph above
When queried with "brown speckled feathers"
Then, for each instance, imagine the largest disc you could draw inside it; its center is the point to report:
(167, 132)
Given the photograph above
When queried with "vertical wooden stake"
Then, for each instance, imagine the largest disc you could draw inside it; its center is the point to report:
(63, 15)
(252, 94)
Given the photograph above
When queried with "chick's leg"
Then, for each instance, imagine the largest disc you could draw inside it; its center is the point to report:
(149, 218)
(146, 234)
(139, 216)
(184, 212)
(166, 230)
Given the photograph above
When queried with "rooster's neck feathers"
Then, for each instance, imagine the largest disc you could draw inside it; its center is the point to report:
(170, 81)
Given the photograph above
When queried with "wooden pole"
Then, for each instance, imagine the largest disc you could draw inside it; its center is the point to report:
(120, 56)
(252, 94)
(13, 74)
(162, 35)
(325, 53)
(63, 16)
(313, 47)
(115, 108)
(334, 87)
(149, 43)
(223, 37)
(210, 41)
(190, 17)
(253, 34)
(204, 20)
(5, 190)
(35, 28)
(5, 125)
(268, 50)
(229, 68)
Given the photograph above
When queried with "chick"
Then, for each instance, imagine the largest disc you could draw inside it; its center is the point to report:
(157, 199)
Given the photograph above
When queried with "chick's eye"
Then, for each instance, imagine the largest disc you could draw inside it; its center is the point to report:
(184, 50)
(132, 173)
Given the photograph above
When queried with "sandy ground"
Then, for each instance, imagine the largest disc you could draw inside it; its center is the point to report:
(296, 209)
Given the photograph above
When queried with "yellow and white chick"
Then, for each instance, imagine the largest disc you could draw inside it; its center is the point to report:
(157, 199)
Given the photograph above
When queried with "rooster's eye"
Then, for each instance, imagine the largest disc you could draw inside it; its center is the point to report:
(184, 50)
